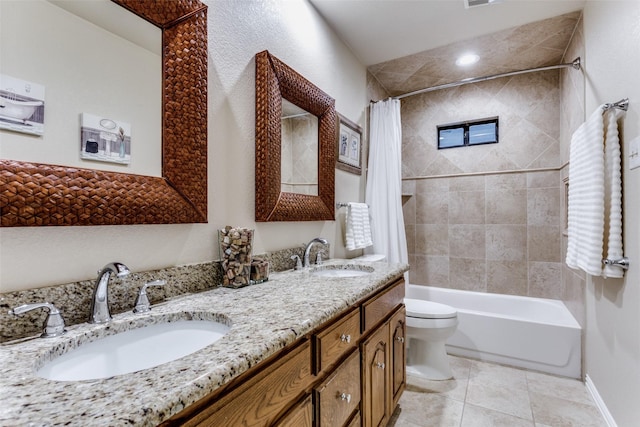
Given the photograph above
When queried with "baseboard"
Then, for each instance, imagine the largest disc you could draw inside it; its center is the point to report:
(608, 418)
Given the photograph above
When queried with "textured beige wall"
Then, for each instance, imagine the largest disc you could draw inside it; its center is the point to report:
(488, 232)
(295, 33)
(612, 61)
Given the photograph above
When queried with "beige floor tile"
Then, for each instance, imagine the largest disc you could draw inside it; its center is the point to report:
(489, 395)
(475, 416)
(429, 410)
(484, 373)
(394, 421)
(499, 388)
(453, 389)
(559, 412)
(500, 398)
(564, 388)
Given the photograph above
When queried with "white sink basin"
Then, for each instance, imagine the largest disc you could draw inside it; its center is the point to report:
(133, 350)
(338, 271)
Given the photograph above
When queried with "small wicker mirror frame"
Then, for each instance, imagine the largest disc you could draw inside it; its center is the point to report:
(274, 81)
(38, 194)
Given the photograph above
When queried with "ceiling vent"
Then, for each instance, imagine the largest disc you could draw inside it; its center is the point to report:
(473, 3)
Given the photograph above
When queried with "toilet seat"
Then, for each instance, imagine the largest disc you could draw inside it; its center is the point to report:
(428, 309)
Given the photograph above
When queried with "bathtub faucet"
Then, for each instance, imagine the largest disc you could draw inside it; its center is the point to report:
(307, 250)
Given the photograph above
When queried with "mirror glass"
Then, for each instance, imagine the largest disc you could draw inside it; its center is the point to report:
(299, 156)
(106, 63)
(48, 193)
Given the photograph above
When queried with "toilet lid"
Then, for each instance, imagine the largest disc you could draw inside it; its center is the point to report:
(428, 309)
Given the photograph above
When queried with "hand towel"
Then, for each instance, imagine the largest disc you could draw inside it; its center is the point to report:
(613, 193)
(586, 196)
(357, 227)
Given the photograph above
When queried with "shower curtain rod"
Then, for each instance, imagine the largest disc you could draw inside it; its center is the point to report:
(575, 64)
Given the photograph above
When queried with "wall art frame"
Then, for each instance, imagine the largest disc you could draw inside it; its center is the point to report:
(349, 146)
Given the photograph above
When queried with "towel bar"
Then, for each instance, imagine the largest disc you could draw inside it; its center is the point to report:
(622, 262)
(342, 205)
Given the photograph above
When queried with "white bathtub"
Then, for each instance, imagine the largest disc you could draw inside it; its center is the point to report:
(533, 333)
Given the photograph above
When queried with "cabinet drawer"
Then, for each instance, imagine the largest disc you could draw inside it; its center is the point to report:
(262, 399)
(338, 397)
(337, 340)
(300, 415)
(377, 308)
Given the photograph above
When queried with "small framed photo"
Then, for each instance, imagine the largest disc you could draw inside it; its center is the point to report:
(104, 140)
(349, 146)
(21, 105)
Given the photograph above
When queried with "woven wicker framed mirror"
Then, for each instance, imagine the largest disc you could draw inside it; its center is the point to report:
(274, 81)
(34, 194)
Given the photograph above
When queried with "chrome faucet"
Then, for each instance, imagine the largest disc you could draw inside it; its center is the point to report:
(142, 304)
(307, 250)
(99, 311)
(53, 324)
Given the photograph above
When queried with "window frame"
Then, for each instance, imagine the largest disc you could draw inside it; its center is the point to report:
(465, 125)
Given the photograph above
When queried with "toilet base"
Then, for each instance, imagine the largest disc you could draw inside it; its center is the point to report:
(428, 360)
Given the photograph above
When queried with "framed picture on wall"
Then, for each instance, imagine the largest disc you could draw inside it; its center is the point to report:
(104, 140)
(21, 105)
(349, 146)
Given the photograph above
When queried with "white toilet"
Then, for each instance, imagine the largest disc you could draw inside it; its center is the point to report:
(429, 325)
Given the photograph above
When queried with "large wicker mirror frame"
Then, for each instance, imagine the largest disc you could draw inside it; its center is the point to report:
(274, 81)
(33, 194)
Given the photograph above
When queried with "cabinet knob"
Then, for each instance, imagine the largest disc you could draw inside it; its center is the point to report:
(345, 338)
(400, 339)
(380, 365)
(345, 396)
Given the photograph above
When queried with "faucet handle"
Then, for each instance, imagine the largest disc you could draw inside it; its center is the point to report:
(53, 324)
(298, 261)
(319, 260)
(142, 304)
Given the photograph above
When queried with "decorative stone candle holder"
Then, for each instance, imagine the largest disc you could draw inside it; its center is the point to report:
(259, 270)
(235, 253)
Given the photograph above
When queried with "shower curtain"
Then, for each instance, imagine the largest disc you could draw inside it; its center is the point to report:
(384, 182)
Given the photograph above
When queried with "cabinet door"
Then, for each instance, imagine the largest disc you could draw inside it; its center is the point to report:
(398, 363)
(300, 415)
(376, 378)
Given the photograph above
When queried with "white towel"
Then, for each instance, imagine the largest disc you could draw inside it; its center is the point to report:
(586, 196)
(357, 227)
(613, 192)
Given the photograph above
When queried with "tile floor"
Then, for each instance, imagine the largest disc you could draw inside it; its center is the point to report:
(489, 395)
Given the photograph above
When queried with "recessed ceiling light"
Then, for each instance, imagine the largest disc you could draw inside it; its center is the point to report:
(467, 59)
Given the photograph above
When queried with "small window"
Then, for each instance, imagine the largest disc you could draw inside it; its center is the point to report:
(477, 132)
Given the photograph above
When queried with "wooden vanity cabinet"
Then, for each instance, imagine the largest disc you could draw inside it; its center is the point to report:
(398, 362)
(375, 378)
(350, 372)
(338, 397)
(383, 355)
(258, 401)
(301, 415)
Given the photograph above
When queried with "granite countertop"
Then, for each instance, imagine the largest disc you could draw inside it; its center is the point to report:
(264, 318)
